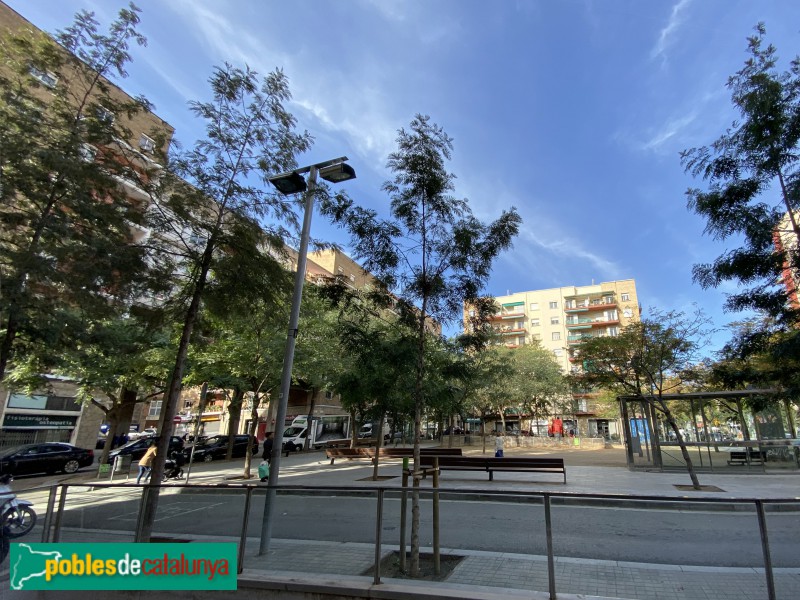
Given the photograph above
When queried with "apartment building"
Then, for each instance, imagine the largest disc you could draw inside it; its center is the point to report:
(559, 319)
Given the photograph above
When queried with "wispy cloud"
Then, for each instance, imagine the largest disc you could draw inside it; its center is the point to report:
(545, 245)
(665, 38)
(671, 131)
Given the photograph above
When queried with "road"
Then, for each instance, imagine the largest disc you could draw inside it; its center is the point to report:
(693, 537)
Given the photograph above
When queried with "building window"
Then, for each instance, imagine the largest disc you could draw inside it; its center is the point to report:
(534, 306)
(471, 313)
(554, 305)
(554, 321)
(626, 297)
(536, 336)
(534, 322)
(47, 78)
(187, 404)
(628, 313)
(558, 352)
(612, 331)
(104, 115)
(352, 278)
(154, 410)
(147, 144)
(556, 335)
(328, 395)
(87, 153)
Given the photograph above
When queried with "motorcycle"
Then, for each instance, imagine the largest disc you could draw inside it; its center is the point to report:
(17, 518)
(173, 466)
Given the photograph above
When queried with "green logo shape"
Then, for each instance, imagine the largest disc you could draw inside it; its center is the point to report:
(123, 566)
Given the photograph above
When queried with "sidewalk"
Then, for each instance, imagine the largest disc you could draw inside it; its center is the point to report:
(301, 566)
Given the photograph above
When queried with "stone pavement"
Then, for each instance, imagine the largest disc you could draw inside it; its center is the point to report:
(296, 567)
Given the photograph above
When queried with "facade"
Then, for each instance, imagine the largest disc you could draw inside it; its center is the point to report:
(559, 319)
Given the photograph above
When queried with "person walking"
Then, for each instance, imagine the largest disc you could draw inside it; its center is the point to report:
(146, 463)
(268, 441)
(498, 445)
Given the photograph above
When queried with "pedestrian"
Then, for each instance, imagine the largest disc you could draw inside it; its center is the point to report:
(267, 454)
(146, 463)
(498, 445)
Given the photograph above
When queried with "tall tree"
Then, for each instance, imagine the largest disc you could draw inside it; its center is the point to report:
(67, 225)
(649, 358)
(537, 385)
(432, 252)
(754, 180)
(249, 136)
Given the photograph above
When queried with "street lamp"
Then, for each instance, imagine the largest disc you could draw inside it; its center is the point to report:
(292, 182)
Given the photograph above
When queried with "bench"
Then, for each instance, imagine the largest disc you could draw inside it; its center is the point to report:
(492, 464)
(351, 453)
(751, 455)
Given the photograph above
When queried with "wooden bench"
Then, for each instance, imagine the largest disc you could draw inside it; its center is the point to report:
(750, 455)
(351, 453)
(492, 464)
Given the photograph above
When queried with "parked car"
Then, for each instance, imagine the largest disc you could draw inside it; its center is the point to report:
(149, 432)
(47, 457)
(216, 446)
(137, 448)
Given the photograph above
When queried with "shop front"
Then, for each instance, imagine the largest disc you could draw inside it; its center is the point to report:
(38, 418)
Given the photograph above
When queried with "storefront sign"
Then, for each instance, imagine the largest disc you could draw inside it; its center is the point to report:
(39, 421)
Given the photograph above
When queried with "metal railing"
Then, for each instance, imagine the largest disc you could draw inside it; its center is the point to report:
(58, 505)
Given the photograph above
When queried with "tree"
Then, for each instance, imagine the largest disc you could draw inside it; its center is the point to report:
(537, 384)
(209, 201)
(432, 253)
(754, 155)
(649, 358)
(67, 244)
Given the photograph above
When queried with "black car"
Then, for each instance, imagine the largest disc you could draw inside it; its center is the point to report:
(137, 448)
(47, 457)
(216, 446)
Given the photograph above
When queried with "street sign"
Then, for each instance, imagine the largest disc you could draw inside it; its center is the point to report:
(177, 419)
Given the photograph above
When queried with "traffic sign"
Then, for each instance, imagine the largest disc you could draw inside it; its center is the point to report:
(177, 419)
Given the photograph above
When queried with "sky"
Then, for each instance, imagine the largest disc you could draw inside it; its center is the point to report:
(574, 111)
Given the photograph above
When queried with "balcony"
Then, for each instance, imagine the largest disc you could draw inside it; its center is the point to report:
(586, 323)
(587, 305)
(512, 331)
(577, 339)
(504, 316)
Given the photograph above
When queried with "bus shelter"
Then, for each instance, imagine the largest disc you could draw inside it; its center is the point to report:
(749, 431)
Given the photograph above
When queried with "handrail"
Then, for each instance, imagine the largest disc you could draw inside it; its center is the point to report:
(60, 490)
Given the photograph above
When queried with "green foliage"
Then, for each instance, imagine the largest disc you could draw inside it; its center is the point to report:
(654, 356)
(66, 241)
(760, 355)
(754, 155)
(210, 211)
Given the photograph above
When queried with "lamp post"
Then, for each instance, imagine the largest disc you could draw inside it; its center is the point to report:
(292, 182)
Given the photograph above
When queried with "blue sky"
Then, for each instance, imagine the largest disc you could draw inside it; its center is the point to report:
(573, 111)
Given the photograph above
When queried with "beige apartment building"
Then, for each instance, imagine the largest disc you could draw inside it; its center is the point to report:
(559, 319)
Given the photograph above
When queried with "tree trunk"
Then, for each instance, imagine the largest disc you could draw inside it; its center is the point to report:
(234, 418)
(378, 446)
(684, 450)
(312, 401)
(418, 405)
(248, 458)
(168, 411)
